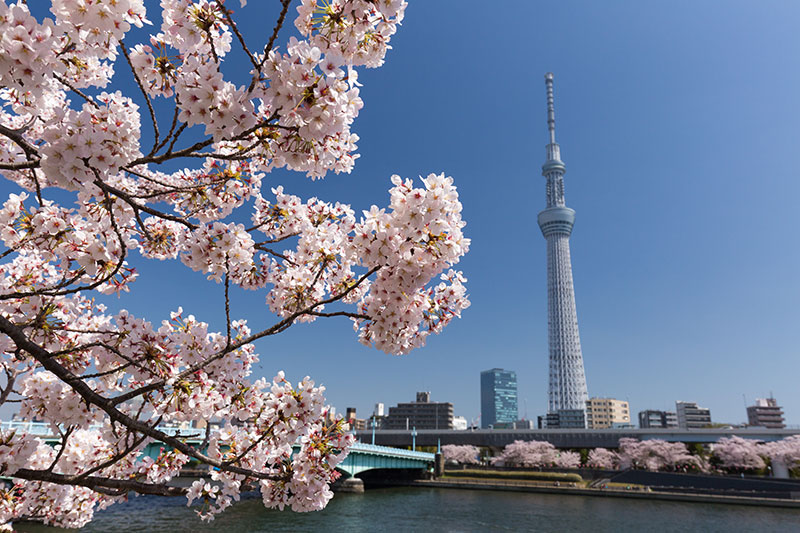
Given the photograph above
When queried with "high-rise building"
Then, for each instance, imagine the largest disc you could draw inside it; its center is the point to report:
(567, 384)
(422, 414)
(657, 419)
(691, 416)
(602, 413)
(765, 413)
(498, 397)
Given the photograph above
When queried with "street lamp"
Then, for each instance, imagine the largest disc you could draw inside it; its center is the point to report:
(373, 430)
(414, 439)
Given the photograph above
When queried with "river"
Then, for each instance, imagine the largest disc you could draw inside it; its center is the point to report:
(445, 510)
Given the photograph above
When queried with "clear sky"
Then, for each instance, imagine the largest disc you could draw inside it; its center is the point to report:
(679, 124)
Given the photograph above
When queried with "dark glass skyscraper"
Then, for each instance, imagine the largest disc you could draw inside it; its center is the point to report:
(498, 396)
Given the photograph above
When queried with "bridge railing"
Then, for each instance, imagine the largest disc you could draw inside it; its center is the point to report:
(45, 429)
(386, 450)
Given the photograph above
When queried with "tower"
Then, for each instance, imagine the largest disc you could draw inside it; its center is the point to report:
(567, 387)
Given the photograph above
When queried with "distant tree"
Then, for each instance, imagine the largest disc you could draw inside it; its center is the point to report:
(465, 454)
(657, 455)
(568, 459)
(603, 459)
(785, 451)
(532, 453)
(735, 454)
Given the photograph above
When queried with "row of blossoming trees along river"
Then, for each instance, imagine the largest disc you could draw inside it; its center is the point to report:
(733, 455)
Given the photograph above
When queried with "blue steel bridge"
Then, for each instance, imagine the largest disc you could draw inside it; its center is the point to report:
(362, 457)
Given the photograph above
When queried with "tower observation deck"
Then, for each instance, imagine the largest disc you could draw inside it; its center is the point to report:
(567, 384)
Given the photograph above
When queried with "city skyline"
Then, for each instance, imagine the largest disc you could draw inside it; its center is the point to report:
(680, 134)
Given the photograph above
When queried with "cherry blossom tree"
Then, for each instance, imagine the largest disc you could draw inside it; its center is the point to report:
(104, 172)
(567, 459)
(656, 454)
(465, 454)
(736, 454)
(603, 459)
(786, 452)
(532, 453)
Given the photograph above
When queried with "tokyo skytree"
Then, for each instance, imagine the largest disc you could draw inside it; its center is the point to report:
(567, 388)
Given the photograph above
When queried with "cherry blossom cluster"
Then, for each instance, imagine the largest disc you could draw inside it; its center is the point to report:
(95, 141)
(358, 32)
(417, 239)
(84, 242)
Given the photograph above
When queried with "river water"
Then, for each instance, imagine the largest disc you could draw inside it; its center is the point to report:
(445, 510)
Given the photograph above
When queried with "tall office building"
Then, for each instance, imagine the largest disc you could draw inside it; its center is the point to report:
(567, 393)
(765, 413)
(498, 397)
(692, 416)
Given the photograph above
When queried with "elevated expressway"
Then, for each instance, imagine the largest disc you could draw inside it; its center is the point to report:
(565, 438)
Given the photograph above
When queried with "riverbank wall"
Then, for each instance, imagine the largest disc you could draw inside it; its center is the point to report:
(633, 493)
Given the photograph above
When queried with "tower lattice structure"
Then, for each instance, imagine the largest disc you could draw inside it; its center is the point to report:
(567, 385)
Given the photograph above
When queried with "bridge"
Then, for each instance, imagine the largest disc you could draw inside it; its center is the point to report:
(362, 457)
(565, 438)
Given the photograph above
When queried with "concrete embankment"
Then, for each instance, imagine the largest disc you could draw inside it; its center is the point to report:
(551, 488)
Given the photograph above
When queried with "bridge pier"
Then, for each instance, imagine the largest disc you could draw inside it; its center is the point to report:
(348, 485)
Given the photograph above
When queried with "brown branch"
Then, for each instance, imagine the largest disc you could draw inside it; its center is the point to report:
(100, 484)
(171, 130)
(268, 47)
(11, 377)
(239, 36)
(144, 93)
(341, 313)
(16, 135)
(227, 302)
(130, 201)
(20, 166)
(76, 90)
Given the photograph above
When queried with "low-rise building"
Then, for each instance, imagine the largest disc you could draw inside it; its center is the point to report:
(692, 416)
(422, 414)
(602, 413)
(652, 418)
(564, 419)
(765, 413)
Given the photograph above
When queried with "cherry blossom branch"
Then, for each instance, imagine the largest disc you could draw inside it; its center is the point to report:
(274, 329)
(62, 449)
(135, 205)
(239, 36)
(76, 90)
(16, 136)
(100, 483)
(271, 42)
(56, 291)
(144, 93)
(108, 406)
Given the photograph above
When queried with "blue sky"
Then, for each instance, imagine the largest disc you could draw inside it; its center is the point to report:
(679, 126)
